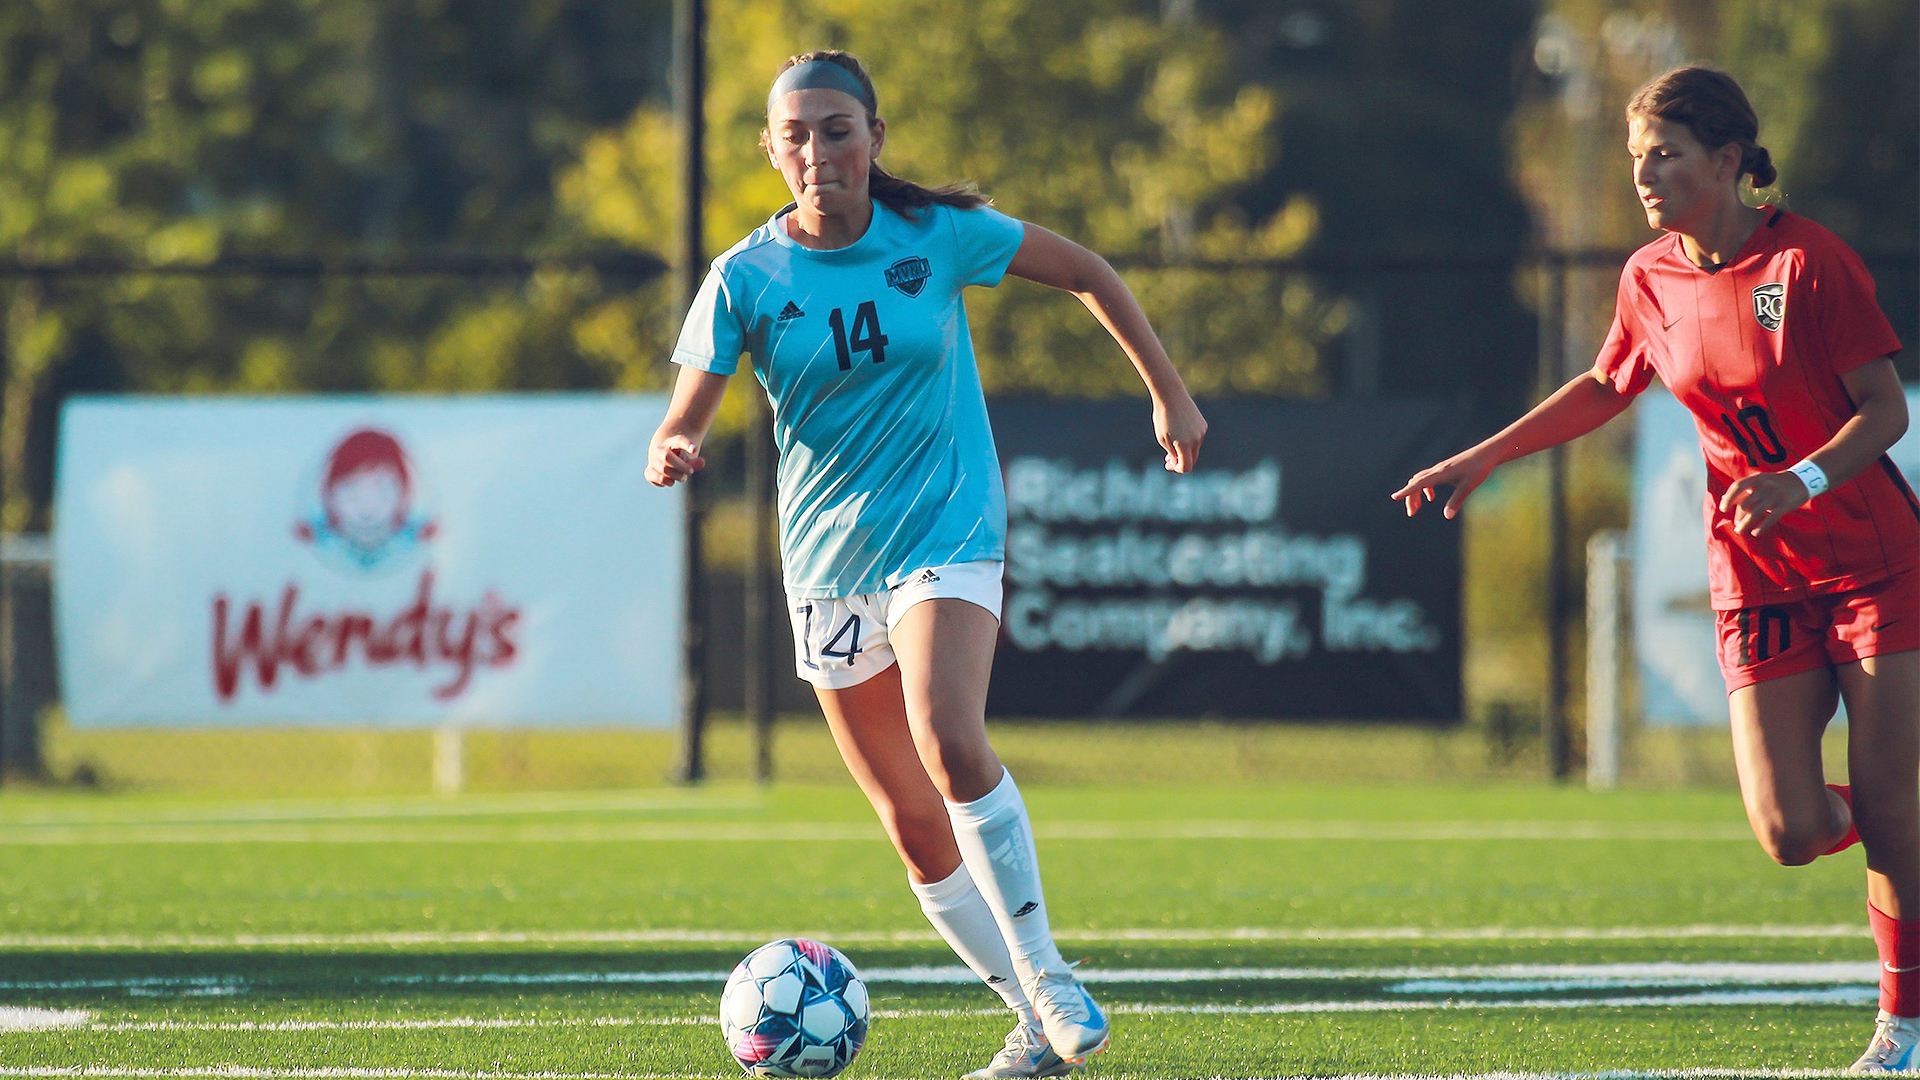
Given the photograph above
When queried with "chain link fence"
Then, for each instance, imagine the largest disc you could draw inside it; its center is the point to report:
(453, 323)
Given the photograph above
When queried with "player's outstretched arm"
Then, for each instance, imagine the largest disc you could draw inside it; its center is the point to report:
(675, 452)
(1051, 259)
(1583, 404)
(1879, 419)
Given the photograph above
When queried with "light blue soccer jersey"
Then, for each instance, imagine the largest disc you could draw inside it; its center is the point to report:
(886, 460)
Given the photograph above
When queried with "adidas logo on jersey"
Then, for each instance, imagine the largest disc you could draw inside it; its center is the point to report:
(789, 313)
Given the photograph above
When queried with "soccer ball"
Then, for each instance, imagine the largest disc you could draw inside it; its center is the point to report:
(794, 1008)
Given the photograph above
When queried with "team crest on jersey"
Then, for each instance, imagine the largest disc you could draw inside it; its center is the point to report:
(909, 275)
(1770, 304)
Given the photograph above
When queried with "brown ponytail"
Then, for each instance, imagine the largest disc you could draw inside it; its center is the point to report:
(1712, 105)
(1759, 164)
(903, 197)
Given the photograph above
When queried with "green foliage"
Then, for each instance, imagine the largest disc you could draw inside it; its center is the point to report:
(1836, 84)
(168, 131)
(160, 131)
(1093, 119)
(1391, 116)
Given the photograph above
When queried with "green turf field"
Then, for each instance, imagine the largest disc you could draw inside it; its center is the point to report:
(1238, 931)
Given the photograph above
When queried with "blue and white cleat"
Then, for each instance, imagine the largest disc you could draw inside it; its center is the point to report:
(1073, 1024)
(1027, 1054)
(1895, 1047)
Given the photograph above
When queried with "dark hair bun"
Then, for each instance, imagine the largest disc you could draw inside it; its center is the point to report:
(1760, 164)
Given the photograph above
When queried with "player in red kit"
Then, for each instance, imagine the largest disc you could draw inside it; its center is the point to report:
(1764, 325)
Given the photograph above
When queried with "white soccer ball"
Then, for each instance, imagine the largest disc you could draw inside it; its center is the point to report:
(794, 1008)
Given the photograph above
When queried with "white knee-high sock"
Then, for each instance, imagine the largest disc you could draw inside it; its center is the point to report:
(996, 840)
(956, 909)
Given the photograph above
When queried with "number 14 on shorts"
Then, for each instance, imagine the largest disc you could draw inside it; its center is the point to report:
(842, 644)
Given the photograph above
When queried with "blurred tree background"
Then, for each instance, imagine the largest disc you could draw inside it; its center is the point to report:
(1836, 84)
(1312, 197)
(166, 132)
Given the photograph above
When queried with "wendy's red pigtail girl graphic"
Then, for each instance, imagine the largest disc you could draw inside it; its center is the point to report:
(366, 501)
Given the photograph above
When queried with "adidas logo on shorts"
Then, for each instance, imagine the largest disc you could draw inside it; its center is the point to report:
(927, 577)
(789, 313)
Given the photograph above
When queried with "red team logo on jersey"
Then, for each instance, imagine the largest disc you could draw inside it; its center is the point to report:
(362, 520)
(1770, 304)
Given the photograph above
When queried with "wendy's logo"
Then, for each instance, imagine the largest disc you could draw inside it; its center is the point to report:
(360, 513)
(1770, 304)
(363, 514)
(909, 275)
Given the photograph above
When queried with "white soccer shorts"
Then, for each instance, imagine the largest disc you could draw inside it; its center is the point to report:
(843, 642)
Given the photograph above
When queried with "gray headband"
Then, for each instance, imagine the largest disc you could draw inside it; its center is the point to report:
(821, 75)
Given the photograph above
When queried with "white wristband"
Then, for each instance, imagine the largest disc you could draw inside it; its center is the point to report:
(1811, 475)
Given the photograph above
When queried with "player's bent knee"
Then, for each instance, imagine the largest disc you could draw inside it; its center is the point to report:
(1791, 845)
(964, 777)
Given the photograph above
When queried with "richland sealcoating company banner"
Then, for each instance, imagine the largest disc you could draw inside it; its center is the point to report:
(404, 561)
(1278, 580)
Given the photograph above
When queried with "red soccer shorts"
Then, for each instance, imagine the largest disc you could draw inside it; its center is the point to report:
(1772, 642)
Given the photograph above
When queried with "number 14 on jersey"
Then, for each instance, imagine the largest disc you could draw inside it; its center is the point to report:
(866, 335)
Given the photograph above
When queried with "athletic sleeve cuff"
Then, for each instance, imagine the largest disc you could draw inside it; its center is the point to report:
(711, 365)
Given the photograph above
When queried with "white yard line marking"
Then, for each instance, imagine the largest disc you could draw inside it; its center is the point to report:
(674, 936)
(1611, 1074)
(1845, 995)
(1430, 980)
(1542, 976)
(424, 808)
(374, 832)
(474, 1022)
(238, 1072)
(149, 985)
(1863, 995)
(1468, 933)
(23, 1019)
(248, 1073)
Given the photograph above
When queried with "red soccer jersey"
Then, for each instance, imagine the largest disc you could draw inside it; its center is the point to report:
(1755, 352)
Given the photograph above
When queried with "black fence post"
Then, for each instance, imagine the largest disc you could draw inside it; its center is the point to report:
(1556, 742)
(689, 37)
(760, 650)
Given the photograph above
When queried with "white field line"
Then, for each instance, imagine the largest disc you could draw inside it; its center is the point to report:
(13, 1018)
(248, 1073)
(1145, 935)
(1547, 976)
(452, 1022)
(1453, 979)
(1845, 995)
(424, 808)
(860, 832)
(1864, 995)
(239, 1072)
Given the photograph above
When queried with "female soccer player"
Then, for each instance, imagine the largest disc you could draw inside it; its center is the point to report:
(892, 516)
(1764, 325)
